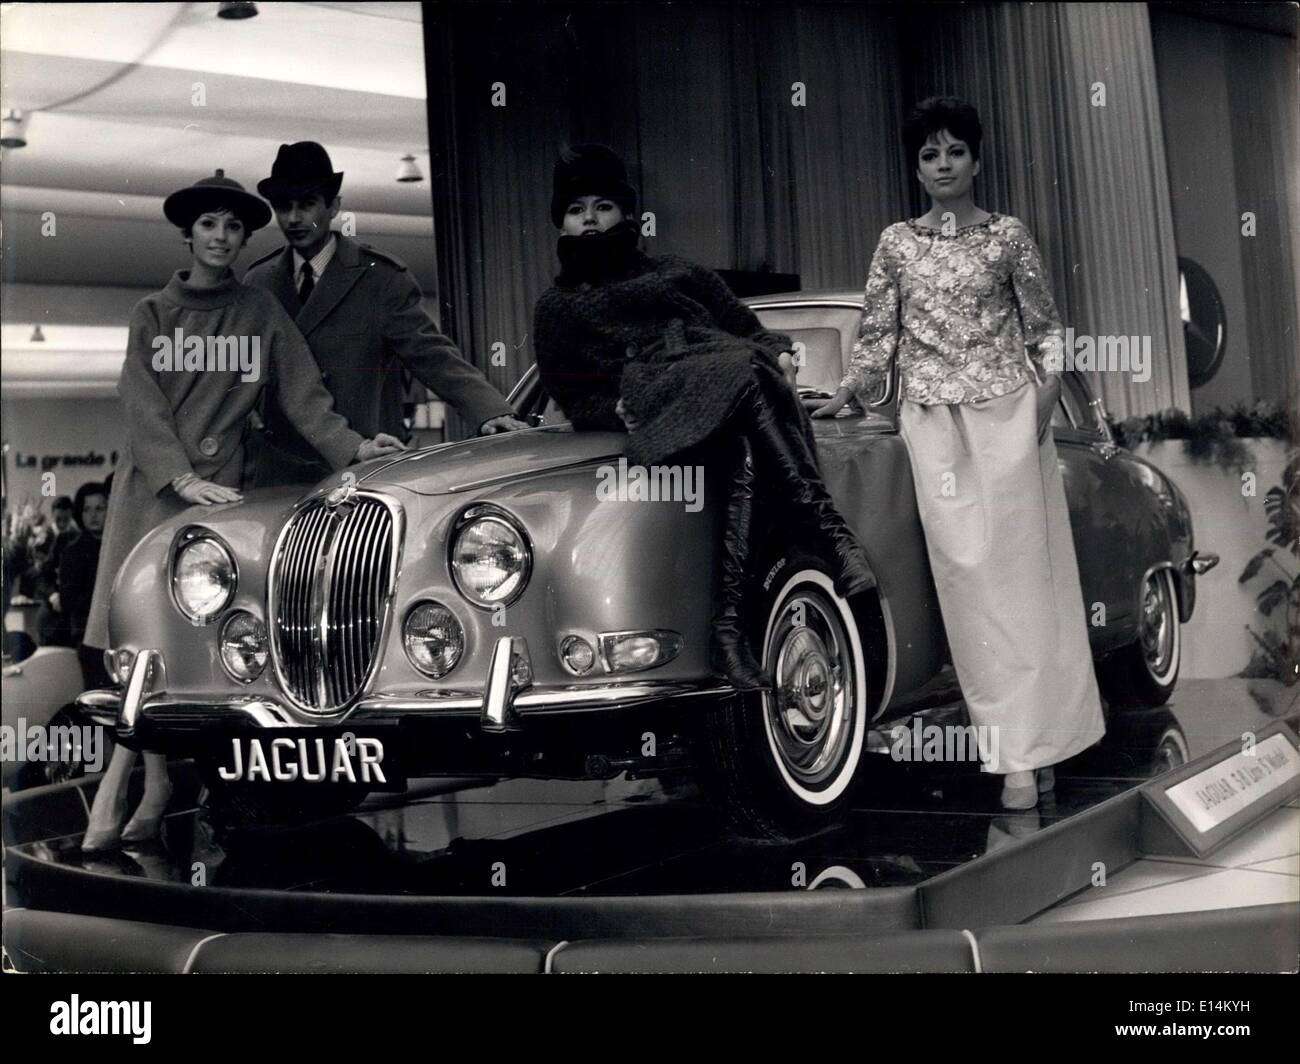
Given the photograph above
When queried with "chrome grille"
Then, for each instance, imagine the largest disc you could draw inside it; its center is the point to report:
(331, 585)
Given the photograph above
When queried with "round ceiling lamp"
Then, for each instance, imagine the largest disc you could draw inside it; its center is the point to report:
(13, 129)
(407, 170)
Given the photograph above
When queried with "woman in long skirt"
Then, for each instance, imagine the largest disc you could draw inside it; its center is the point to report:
(960, 294)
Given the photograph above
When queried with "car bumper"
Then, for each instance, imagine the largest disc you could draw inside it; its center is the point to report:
(503, 704)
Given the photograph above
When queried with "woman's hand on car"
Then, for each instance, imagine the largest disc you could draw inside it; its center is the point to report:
(831, 406)
(1049, 393)
(629, 422)
(194, 489)
(381, 445)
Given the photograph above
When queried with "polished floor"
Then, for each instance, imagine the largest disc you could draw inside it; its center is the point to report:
(907, 824)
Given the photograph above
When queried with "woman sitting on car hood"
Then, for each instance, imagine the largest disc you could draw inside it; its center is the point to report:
(661, 347)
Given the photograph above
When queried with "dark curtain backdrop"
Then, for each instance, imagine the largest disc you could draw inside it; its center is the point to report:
(1263, 79)
(698, 99)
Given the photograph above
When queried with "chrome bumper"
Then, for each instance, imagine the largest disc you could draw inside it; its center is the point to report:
(502, 704)
(1198, 564)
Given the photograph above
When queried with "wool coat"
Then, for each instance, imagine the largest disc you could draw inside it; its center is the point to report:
(194, 420)
(365, 324)
(666, 336)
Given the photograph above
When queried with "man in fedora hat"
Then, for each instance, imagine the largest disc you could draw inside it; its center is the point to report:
(361, 312)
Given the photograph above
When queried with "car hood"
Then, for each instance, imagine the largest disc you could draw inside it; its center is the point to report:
(467, 465)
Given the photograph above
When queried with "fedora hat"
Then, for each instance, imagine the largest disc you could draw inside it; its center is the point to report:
(300, 169)
(590, 170)
(186, 204)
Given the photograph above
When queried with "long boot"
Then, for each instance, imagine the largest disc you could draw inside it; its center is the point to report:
(729, 651)
(779, 433)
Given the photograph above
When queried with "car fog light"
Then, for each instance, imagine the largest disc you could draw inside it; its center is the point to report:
(118, 664)
(634, 651)
(434, 639)
(244, 646)
(577, 654)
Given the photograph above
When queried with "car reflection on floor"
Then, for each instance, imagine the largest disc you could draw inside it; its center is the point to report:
(520, 837)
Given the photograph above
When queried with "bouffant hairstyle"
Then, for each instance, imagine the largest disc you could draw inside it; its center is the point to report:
(929, 117)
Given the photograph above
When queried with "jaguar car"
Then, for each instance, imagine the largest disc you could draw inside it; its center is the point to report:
(530, 604)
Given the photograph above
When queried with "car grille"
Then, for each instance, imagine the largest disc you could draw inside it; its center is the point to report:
(331, 584)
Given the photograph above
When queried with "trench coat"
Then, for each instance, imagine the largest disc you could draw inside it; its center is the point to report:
(366, 326)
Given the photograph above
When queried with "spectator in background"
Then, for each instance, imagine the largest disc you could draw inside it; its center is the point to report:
(78, 566)
(51, 623)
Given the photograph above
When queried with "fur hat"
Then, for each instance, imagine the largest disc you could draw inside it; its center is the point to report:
(590, 170)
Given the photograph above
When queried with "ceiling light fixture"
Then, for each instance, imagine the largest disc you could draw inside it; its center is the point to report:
(246, 9)
(13, 129)
(407, 170)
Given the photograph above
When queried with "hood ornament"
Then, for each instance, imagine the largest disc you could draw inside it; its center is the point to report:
(342, 500)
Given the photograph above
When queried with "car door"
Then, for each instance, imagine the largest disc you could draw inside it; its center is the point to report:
(1099, 492)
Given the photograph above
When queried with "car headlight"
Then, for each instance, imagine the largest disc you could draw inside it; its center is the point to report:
(433, 638)
(203, 579)
(244, 646)
(490, 558)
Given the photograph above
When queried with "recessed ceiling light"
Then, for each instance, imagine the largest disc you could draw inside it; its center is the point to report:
(237, 10)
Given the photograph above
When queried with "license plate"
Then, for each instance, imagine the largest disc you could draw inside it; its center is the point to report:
(306, 755)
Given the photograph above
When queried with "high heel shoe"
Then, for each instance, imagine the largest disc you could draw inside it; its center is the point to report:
(1019, 790)
(101, 838)
(147, 821)
(729, 652)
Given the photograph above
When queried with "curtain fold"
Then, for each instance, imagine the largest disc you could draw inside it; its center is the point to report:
(1262, 91)
(1090, 182)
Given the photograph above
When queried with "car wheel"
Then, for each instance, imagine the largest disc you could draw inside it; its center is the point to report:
(72, 764)
(781, 763)
(1145, 672)
(260, 805)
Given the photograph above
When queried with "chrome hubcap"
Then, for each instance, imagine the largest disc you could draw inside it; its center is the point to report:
(1156, 628)
(811, 710)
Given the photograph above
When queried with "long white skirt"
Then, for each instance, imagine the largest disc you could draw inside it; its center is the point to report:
(997, 529)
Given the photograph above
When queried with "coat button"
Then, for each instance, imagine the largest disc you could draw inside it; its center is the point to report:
(325, 378)
(631, 350)
(208, 446)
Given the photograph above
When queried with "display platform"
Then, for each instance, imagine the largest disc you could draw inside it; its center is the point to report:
(477, 875)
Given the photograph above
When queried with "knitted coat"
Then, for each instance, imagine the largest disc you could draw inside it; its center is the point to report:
(665, 335)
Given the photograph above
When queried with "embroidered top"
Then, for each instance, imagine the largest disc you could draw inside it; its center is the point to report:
(968, 312)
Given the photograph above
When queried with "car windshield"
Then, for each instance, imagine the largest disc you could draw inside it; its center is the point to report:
(820, 333)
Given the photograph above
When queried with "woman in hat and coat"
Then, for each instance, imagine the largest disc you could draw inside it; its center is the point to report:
(198, 355)
(661, 347)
